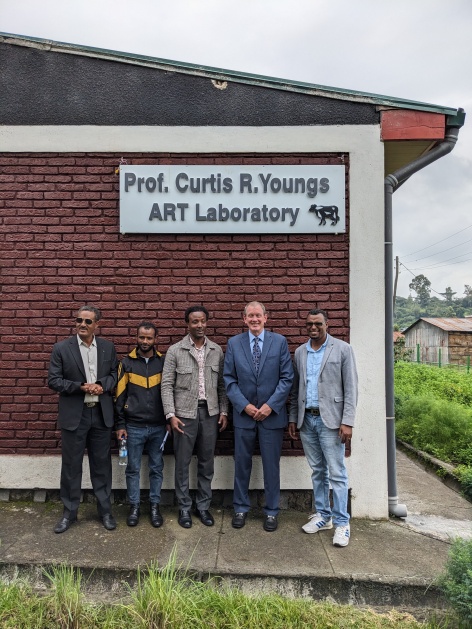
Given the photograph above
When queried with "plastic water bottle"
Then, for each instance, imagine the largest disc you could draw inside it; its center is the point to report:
(123, 453)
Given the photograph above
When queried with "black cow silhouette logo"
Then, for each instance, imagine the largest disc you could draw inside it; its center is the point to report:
(324, 212)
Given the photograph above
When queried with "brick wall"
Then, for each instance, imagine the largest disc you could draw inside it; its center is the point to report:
(61, 247)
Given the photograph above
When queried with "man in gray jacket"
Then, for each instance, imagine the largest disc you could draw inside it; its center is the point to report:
(195, 404)
(323, 406)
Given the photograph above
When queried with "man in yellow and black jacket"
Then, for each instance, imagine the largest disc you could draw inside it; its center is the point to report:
(140, 419)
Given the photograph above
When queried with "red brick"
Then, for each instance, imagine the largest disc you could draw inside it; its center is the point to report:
(65, 249)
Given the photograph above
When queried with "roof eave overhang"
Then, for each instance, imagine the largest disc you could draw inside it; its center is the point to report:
(220, 74)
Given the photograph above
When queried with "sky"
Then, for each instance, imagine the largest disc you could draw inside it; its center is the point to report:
(413, 49)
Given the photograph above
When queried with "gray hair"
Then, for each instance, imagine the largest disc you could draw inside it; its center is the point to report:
(254, 303)
(96, 311)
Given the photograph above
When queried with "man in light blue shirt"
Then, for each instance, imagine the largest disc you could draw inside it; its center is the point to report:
(323, 405)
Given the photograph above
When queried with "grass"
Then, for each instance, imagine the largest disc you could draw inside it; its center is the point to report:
(413, 380)
(439, 427)
(171, 598)
(433, 408)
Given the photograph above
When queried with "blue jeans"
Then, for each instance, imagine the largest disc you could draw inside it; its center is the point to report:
(152, 437)
(325, 455)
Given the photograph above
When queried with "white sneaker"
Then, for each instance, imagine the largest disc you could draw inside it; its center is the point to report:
(341, 535)
(317, 522)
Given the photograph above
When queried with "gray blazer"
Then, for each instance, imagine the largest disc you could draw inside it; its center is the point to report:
(337, 385)
(179, 384)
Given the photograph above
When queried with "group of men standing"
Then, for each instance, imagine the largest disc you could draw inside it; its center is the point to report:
(186, 393)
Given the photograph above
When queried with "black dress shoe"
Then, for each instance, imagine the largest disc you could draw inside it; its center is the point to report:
(239, 520)
(270, 523)
(185, 519)
(109, 522)
(156, 518)
(205, 517)
(133, 515)
(64, 523)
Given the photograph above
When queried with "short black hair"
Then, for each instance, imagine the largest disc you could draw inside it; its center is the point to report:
(317, 311)
(147, 325)
(191, 309)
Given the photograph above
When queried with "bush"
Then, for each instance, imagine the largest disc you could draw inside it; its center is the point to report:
(412, 379)
(456, 583)
(464, 474)
(441, 428)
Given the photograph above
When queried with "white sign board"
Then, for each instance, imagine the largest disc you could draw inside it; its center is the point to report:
(232, 199)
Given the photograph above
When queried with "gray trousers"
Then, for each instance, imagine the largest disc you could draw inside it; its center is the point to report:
(199, 433)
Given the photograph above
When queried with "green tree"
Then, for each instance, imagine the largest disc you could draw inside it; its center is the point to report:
(448, 295)
(422, 287)
(400, 352)
(467, 301)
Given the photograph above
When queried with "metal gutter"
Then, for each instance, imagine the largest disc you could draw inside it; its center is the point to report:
(392, 182)
(221, 74)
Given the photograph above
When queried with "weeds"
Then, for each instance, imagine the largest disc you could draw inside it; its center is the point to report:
(441, 428)
(413, 380)
(160, 597)
(457, 580)
(170, 599)
(66, 598)
(433, 410)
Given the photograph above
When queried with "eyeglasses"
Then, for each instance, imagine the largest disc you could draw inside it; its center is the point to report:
(86, 321)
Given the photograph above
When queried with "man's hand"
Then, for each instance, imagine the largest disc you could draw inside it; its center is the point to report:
(345, 432)
(292, 431)
(176, 424)
(92, 388)
(222, 422)
(251, 410)
(262, 413)
(121, 433)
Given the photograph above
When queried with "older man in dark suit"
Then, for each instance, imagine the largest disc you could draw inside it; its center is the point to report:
(83, 370)
(258, 375)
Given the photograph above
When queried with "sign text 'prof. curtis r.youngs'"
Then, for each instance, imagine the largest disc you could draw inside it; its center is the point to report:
(229, 199)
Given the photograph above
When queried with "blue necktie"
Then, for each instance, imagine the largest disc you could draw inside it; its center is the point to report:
(256, 354)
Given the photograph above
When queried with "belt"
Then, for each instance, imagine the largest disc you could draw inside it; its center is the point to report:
(313, 411)
(91, 404)
(202, 402)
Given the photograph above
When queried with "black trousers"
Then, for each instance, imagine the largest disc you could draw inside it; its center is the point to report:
(92, 434)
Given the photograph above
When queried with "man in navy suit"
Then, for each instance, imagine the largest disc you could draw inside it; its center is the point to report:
(83, 370)
(258, 375)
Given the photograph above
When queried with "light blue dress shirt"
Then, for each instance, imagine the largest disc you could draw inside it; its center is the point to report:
(251, 340)
(313, 366)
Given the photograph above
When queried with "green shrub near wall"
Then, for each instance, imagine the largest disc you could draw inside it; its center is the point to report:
(433, 408)
(412, 379)
(441, 428)
(457, 580)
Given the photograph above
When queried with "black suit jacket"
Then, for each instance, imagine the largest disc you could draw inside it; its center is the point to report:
(67, 372)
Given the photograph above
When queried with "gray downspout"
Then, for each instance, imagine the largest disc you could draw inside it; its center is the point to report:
(392, 182)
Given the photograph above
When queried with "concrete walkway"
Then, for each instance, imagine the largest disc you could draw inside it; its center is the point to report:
(391, 563)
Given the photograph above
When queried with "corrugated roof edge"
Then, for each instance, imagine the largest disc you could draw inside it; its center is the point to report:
(449, 324)
(221, 74)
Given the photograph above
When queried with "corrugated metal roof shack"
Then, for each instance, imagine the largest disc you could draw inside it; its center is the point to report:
(147, 185)
(441, 340)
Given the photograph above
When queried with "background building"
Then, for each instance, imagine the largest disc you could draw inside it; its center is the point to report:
(441, 340)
